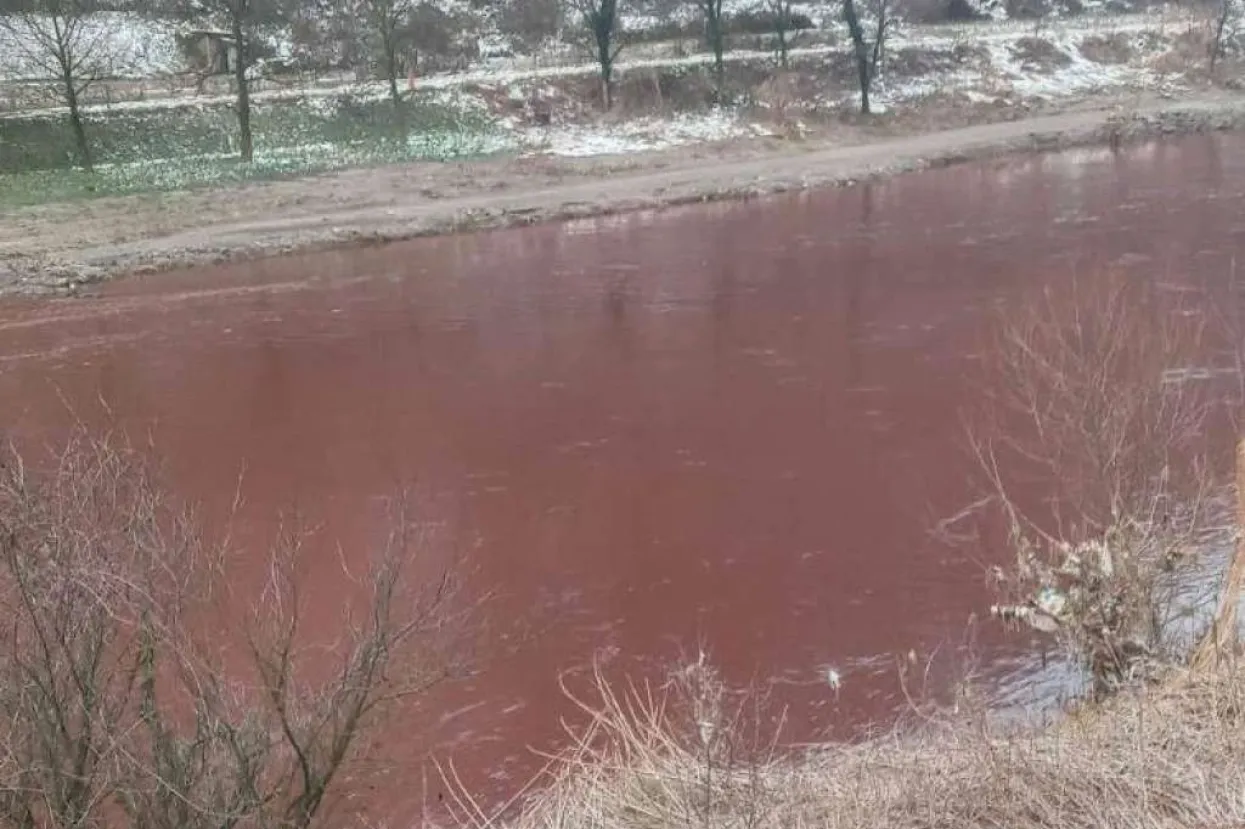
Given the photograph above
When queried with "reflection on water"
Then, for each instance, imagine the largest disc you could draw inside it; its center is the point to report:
(732, 425)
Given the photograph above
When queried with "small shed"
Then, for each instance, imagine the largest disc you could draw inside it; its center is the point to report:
(209, 52)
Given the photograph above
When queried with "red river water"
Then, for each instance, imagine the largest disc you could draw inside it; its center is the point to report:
(729, 425)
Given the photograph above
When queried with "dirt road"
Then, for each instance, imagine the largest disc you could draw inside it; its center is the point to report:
(62, 247)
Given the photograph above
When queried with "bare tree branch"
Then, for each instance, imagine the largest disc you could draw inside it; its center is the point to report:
(69, 44)
(110, 695)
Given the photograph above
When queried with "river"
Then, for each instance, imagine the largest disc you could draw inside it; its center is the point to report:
(730, 426)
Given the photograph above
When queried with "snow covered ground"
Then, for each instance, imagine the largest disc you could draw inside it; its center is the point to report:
(1079, 76)
(137, 47)
(140, 47)
(1068, 72)
(997, 68)
(638, 135)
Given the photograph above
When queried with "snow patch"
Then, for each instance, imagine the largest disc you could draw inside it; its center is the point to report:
(640, 135)
(1078, 75)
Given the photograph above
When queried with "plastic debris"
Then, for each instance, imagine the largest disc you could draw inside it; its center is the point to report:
(1052, 601)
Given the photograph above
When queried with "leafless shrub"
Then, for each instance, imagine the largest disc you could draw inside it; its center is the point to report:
(1093, 404)
(690, 752)
(118, 711)
(404, 34)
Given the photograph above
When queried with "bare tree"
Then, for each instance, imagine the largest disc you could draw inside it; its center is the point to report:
(715, 36)
(238, 13)
(387, 19)
(868, 53)
(603, 28)
(401, 32)
(112, 698)
(67, 43)
(1223, 29)
(782, 19)
(241, 19)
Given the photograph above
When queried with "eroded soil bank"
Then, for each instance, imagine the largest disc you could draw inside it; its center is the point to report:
(60, 248)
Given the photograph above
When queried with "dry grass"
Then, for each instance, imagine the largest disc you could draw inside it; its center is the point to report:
(1166, 757)
(1039, 54)
(1110, 49)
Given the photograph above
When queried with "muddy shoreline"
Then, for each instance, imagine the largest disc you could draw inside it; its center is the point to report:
(62, 249)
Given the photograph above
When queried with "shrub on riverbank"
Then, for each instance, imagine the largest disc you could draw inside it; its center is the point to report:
(144, 684)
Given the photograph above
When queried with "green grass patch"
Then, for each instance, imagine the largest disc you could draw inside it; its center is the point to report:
(183, 147)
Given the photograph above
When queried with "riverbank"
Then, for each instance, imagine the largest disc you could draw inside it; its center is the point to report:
(1167, 756)
(60, 248)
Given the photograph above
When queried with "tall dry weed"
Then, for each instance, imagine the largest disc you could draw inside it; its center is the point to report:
(1165, 757)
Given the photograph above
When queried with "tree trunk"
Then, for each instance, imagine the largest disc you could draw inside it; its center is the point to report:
(607, 87)
(606, 61)
(715, 41)
(401, 129)
(879, 42)
(719, 73)
(75, 121)
(394, 94)
(391, 68)
(861, 50)
(1221, 23)
(246, 144)
(781, 31)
